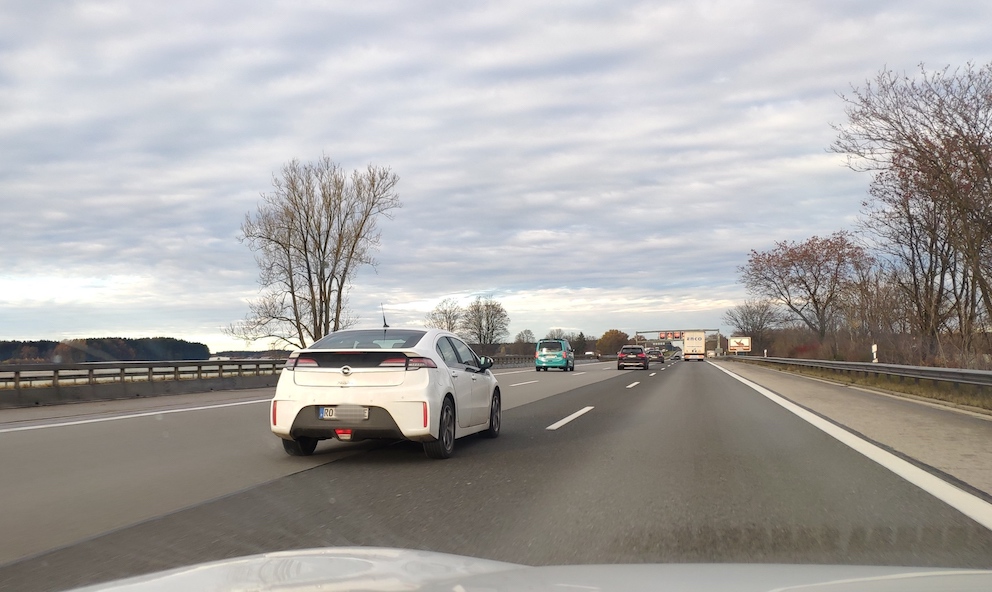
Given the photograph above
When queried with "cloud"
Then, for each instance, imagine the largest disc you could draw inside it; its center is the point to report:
(591, 164)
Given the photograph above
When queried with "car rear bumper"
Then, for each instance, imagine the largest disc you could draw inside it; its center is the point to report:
(631, 362)
(559, 363)
(380, 424)
(393, 413)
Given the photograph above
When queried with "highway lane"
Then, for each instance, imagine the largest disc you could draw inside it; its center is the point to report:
(74, 471)
(685, 465)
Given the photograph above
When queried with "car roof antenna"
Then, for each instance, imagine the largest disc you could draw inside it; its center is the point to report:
(384, 325)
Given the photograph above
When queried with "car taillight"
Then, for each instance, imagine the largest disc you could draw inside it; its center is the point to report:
(417, 363)
(537, 354)
(393, 363)
(640, 355)
(295, 361)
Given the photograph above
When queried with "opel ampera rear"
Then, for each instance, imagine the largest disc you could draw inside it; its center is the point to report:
(424, 385)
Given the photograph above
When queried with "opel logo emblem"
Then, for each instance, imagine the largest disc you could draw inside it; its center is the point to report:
(346, 370)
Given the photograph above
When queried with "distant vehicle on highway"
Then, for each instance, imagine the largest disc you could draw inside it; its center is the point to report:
(554, 353)
(694, 345)
(656, 355)
(424, 385)
(677, 355)
(632, 355)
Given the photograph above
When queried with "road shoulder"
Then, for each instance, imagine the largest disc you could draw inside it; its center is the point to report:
(953, 442)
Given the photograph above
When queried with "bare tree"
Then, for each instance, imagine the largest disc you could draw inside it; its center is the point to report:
(556, 333)
(806, 278)
(928, 142)
(485, 321)
(523, 343)
(525, 336)
(310, 236)
(755, 319)
(446, 315)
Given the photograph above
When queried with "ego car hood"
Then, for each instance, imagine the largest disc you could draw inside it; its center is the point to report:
(383, 569)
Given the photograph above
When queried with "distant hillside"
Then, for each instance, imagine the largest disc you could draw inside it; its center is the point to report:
(101, 349)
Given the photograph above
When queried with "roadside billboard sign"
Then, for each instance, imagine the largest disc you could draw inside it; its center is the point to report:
(739, 344)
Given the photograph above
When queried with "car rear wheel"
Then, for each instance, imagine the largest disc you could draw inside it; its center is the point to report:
(495, 417)
(445, 443)
(300, 447)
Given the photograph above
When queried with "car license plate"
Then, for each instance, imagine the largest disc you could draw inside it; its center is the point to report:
(349, 414)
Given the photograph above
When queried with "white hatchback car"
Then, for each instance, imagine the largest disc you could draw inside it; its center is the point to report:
(424, 385)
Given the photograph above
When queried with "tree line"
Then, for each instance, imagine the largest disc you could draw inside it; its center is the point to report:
(103, 349)
(916, 278)
(485, 324)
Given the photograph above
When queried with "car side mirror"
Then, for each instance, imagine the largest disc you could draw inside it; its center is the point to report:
(485, 363)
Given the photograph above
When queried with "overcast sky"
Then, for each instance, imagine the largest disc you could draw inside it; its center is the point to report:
(592, 165)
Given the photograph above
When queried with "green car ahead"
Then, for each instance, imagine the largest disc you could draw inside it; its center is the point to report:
(554, 353)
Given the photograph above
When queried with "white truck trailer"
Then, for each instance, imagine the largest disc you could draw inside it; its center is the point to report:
(694, 345)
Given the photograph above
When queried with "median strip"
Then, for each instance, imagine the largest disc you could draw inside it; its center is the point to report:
(575, 415)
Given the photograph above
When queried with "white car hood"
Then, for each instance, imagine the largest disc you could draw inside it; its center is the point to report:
(394, 570)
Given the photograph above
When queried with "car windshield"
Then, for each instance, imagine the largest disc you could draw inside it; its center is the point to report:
(701, 285)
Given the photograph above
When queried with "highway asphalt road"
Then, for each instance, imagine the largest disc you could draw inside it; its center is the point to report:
(681, 463)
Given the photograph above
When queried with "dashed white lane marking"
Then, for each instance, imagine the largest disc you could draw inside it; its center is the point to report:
(575, 415)
(523, 383)
(633, 384)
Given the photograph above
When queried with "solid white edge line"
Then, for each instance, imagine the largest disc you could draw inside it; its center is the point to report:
(128, 416)
(575, 415)
(971, 506)
(633, 384)
(523, 383)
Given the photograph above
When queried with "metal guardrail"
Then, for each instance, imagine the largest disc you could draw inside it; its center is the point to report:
(950, 375)
(20, 376)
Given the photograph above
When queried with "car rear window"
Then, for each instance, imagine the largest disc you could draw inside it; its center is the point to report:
(549, 346)
(633, 348)
(366, 339)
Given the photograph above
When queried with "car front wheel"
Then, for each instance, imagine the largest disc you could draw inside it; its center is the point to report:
(300, 446)
(444, 446)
